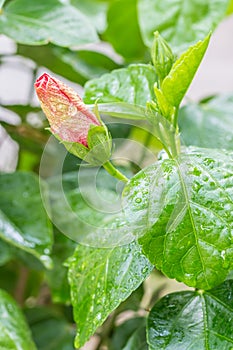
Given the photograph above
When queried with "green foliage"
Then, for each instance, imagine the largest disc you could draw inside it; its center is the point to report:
(208, 124)
(40, 22)
(101, 282)
(180, 23)
(50, 330)
(14, 334)
(181, 209)
(208, 313)
(128, 43)
(78, 66)
(133, 85)
(92, 266)
(21, 226)
(176, 83)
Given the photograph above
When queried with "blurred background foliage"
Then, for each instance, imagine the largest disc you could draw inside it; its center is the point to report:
(80, 41)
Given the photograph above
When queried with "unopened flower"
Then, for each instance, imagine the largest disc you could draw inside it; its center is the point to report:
(68, 116)
(79, 129)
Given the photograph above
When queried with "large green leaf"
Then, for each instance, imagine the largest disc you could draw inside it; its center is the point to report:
(78, 66)
(14, 332)
(133, 84)
(39, 22)
(182, 209)
(208, 124)
(175, 85)
(50, 330)
(180, 22)
(100, 280)
(193, 320)
(121, 15)
(23, 220)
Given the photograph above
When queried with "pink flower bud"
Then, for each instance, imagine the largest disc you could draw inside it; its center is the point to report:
(68, 116)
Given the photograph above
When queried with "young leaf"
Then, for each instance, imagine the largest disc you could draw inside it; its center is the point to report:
(133, 85)
(23, 220)
(100, 280)
(180, 23)
(175, 85)
(14, 332)
(208, 124)
(193, 320)
(40, 22)
(182, 209)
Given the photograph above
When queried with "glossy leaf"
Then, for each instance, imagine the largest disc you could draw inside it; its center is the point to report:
(50, 330)
(193, 320)
(182, 209)
(133, 84)
(179, 22)
(14, 332)
(175, 85)
(40, 22)
(23, 220)
(78, 66)
(209, 124)
(100, 280)
(128, 43)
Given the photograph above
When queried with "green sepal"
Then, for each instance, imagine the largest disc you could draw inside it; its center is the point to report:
(100, 143)
(77, 149)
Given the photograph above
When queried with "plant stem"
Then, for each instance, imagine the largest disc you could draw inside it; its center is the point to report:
(109, 167)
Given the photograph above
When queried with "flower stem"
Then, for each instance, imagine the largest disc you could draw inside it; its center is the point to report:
(114, 172)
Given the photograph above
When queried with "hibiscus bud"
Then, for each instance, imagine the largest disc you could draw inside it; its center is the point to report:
(71, 121)
(162, 56)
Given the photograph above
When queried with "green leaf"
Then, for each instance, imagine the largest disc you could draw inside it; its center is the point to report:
(50, 330)
(175, 85)
(14, 332)
(94, 10)
(128, 43)
(100, 280)
(209, 124)
(133, 84)
(23, 220)
(130, 335)
(179, 22)
(193, 320)
(78, 66)
(182, 209)
(40, 22)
